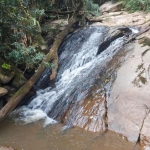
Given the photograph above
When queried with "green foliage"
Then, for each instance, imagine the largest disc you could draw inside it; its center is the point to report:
(19, 20)
(20, 24)
(28, 57)
(6, 66)
(137, 5)
(49, 65)
(91, 7)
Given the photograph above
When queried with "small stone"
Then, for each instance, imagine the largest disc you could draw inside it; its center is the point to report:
(5, 77)
(3, 91)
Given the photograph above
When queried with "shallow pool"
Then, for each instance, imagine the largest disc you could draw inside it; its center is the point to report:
(35, 137)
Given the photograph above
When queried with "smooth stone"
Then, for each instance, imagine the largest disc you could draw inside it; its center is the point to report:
(3, 91)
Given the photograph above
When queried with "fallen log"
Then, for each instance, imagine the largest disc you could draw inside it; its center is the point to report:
(93, 19)
(50, 57)
(59, 12)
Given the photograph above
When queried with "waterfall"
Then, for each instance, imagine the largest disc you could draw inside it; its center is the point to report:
(79, 66)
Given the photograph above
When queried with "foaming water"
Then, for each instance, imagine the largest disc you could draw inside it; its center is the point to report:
(79, 66)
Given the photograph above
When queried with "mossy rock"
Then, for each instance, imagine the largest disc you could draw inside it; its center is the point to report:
(147, 40)
(13, 76)
(18, 80)
(5, 74)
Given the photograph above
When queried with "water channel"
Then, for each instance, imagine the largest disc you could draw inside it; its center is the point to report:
(80, 63)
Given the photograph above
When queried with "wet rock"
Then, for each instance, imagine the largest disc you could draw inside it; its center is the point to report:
(146, 148)
(91, 115)
(3, 91)
(111, 7)
(109, 40)
(6, 148)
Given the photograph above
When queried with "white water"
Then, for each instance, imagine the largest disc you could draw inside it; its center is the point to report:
(78, 69)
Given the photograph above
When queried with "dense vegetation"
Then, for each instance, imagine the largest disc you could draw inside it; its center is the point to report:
(21, 20)
(20, 25)
(136, 5)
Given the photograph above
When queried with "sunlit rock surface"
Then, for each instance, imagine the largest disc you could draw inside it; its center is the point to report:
(129, 100)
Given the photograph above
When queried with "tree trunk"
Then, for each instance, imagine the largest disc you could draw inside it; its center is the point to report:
(51, 56)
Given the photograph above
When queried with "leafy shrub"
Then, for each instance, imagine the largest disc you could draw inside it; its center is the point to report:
(28, 57)
(6, 66)
(136, 5)
(19, 24)
(90, 6)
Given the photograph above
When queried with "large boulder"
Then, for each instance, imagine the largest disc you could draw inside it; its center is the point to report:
(19, 80)
(11, 75)
(111, 7)
(129, 100)
(3, 91)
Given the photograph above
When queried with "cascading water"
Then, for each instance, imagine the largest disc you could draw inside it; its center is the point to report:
(79, 66)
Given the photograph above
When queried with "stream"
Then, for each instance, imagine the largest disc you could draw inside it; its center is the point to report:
(77, 98)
